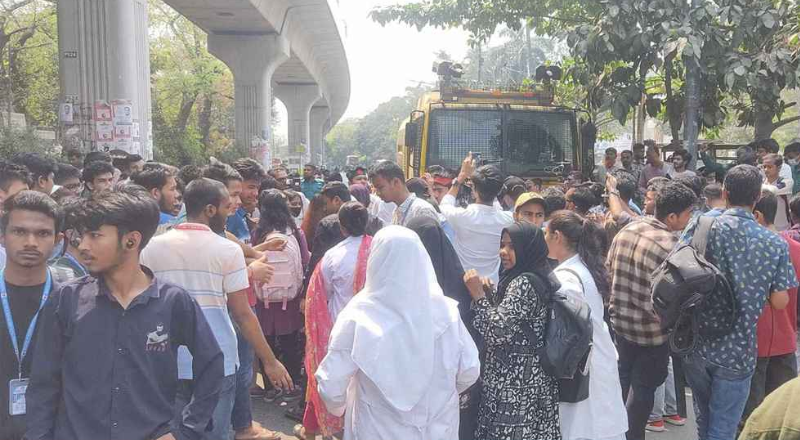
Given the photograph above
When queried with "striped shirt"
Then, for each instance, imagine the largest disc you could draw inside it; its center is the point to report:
(209, 267)
(637, 250)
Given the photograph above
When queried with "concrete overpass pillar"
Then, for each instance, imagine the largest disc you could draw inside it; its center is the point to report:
(326, 128)
(104, 56)
(252, 60)
(298, 99)
(317, 118)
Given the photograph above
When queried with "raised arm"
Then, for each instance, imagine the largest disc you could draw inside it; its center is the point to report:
(499, 324)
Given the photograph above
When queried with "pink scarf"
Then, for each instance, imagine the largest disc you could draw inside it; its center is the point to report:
(318, 332)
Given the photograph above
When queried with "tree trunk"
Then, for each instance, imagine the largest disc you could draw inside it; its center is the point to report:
(673, 112)
(641, 119)
(187, 103)
(763, 125)
(204, 121)
(692, 119)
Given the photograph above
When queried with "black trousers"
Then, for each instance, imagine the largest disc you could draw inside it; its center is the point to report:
(642, 369)
(680, 385)
(289, 349)
(771, 373)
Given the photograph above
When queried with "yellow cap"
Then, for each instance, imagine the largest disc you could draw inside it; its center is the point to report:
(528, 197)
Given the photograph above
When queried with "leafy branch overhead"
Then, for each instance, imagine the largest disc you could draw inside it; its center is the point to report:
(632, 53)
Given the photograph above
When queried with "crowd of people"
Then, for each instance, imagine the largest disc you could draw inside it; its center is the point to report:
(141, 300)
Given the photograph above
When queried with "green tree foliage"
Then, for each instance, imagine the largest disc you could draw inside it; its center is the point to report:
(374, 136)
(192, 92)
(635, 51)
(29, 60)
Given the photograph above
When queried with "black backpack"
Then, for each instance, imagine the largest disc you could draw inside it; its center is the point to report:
(568, 333)
(681, 286)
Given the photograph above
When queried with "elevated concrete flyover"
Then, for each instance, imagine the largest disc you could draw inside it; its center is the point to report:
(290, 48)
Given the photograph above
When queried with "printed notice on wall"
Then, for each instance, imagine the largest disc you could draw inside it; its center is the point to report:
(65, 112)
(104, 131)
(102, 111)
(123, 112)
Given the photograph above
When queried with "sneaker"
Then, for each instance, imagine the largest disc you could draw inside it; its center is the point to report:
(273, 394)
(292, 396)
(675, 420)
(656, 426)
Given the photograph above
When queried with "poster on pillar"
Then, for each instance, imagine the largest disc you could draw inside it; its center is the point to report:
(104, 131)
(102, 111)
(123, 112)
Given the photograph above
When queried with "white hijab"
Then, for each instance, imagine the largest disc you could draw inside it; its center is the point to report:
(391, 325)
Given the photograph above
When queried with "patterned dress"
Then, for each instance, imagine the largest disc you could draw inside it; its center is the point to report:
(519, 401)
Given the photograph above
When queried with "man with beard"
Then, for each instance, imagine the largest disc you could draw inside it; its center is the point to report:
(196, 255)
(94, 372)
(160, 181)
(30, 227)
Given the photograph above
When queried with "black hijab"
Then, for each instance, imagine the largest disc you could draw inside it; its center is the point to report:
(449, 272)
(446, 264)
(531, 255)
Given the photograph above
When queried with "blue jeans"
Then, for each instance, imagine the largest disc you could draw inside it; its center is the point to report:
(242, 416)
(221, 419)
(666, 401)
(720, 395)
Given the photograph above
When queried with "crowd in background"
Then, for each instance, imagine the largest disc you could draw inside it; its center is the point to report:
(142, 300)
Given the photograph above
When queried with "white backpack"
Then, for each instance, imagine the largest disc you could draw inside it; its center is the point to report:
(288, 277)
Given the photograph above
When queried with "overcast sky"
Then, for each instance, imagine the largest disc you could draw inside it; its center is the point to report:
(385, 60)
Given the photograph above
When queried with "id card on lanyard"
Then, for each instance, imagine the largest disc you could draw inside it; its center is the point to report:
(19, 386)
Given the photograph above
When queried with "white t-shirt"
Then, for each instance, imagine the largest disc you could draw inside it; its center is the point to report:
(209, 267)
(478, 229)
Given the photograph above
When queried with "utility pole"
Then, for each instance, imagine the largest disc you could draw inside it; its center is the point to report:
(691, 123)
(528, 48)
(480, 62)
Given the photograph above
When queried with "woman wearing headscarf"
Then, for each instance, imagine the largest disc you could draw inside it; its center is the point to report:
(519, 401)
(399, 354)
(577, 244)
(450, 275)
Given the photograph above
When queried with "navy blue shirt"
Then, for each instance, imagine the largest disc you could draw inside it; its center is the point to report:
(756, 262)
(104, 372)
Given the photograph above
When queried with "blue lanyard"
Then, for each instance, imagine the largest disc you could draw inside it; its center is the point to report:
(12, 331)
(77, 265)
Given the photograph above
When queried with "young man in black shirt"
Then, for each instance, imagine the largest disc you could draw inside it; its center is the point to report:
(105, 366)
(31, 224)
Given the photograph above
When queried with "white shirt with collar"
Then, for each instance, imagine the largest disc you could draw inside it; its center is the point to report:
(338, 272)
(382, 210)
(478, 229)
(411, 208)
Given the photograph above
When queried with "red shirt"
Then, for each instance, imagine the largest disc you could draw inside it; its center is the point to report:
(777, 329)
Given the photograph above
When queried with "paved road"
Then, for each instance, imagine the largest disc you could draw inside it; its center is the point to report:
(271, 416)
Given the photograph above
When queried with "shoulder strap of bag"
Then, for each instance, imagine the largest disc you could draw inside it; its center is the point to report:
(570, 271)
(700, 238)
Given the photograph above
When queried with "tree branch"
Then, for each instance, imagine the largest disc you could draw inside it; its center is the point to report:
(786, 121)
